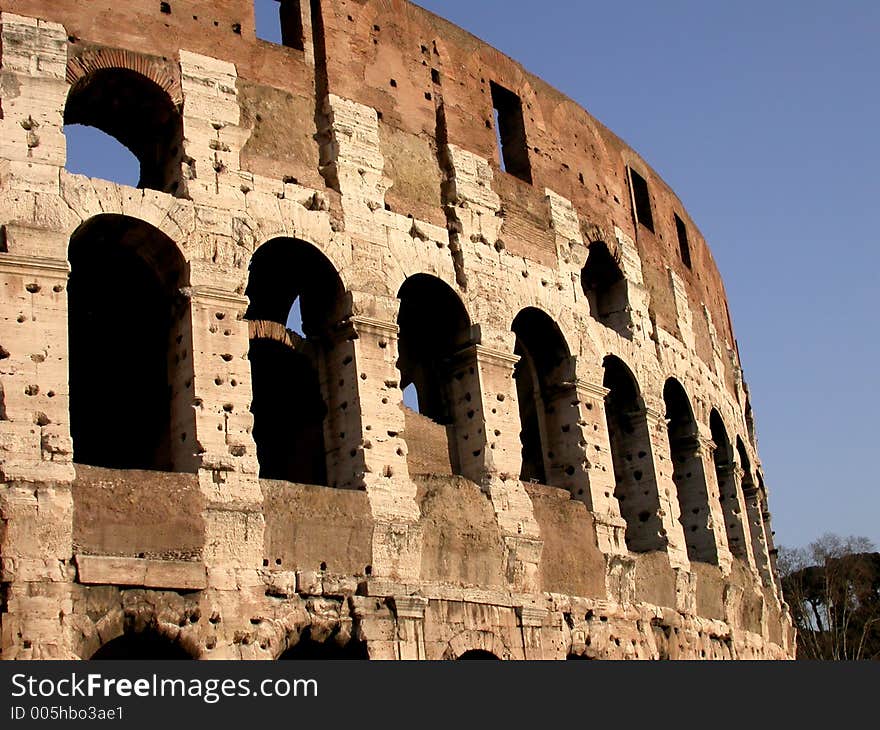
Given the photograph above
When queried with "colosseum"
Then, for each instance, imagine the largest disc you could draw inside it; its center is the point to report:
(394, 352)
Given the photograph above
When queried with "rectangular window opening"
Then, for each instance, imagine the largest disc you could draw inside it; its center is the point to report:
(684, 248)
(280, 21)
(510, 133)
(641, 199)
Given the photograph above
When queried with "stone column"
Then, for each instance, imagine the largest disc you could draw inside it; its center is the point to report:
(489, 452)
(34, 87)
(760, 551)
(409, 613)
(224, 447)
(595, 485)
(531, 621)
(373, 455)
(730, 489)
(716, 524)
(667, 492)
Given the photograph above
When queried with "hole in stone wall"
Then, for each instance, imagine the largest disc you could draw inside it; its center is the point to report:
(635, 487)
(280, 21)
(688, 474)
(434, 326)
(510, 131)
(135, 112)
(293, 285)
(123, 310)
(723, 462)
(411, 398)
(641, 199)
(684, 248)
(605, 287)
(543, 378)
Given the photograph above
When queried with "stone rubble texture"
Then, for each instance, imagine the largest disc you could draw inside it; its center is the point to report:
(374, 145)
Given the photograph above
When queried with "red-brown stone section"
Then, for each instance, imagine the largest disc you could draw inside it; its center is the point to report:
(389, 54)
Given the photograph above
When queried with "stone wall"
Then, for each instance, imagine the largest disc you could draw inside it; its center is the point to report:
(354, 173)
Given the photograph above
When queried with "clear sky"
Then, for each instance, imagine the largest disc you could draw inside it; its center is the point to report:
(764, 117)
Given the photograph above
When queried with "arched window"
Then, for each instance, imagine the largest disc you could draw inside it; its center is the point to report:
(688, 475)
(434, 327)
(605, 287)
(545, 388)
(145, 645)
(728, 486)
(635, 484)
(125, 314)
(137, 114)
(294, 377)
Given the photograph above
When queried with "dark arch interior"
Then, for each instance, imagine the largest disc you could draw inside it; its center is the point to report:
(478, 654)
(308, 648)
(688, 474)
(289, 403)
(434, 326)
(605, 287)
(728, 487)
(139, 114)
(122, 303)
(147, 645)
(542, 374)
(682, 426)
(629, 437)
(289, 413)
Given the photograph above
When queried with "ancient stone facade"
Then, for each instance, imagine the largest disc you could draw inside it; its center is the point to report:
(183, 474)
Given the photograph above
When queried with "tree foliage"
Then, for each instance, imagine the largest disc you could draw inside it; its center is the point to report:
(833, 589)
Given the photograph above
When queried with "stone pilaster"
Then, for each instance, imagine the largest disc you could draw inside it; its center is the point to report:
(531, 621)
(34, 87)
(591, 436)
(670, 512)
(730, 490)
(684, 316)
(224, 449)
(409, 612)
(374, 454)
(36, 469)
(213, 137)
(489, 452)
(716, 524)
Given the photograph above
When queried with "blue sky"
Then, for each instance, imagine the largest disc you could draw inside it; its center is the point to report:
(765, 118)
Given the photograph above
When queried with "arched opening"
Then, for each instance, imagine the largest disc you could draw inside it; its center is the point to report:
(146, 645)
(309, 649)
(728, 486)
(128, 372)
(137, 113)
(478, 654)
(755, 512)
(688, 475)
(605, 286)
(434, 328)
(293, 284)
(545, 390)
(635, 485)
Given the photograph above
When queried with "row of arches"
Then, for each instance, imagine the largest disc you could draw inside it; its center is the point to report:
(128, 340)
(123, 126)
